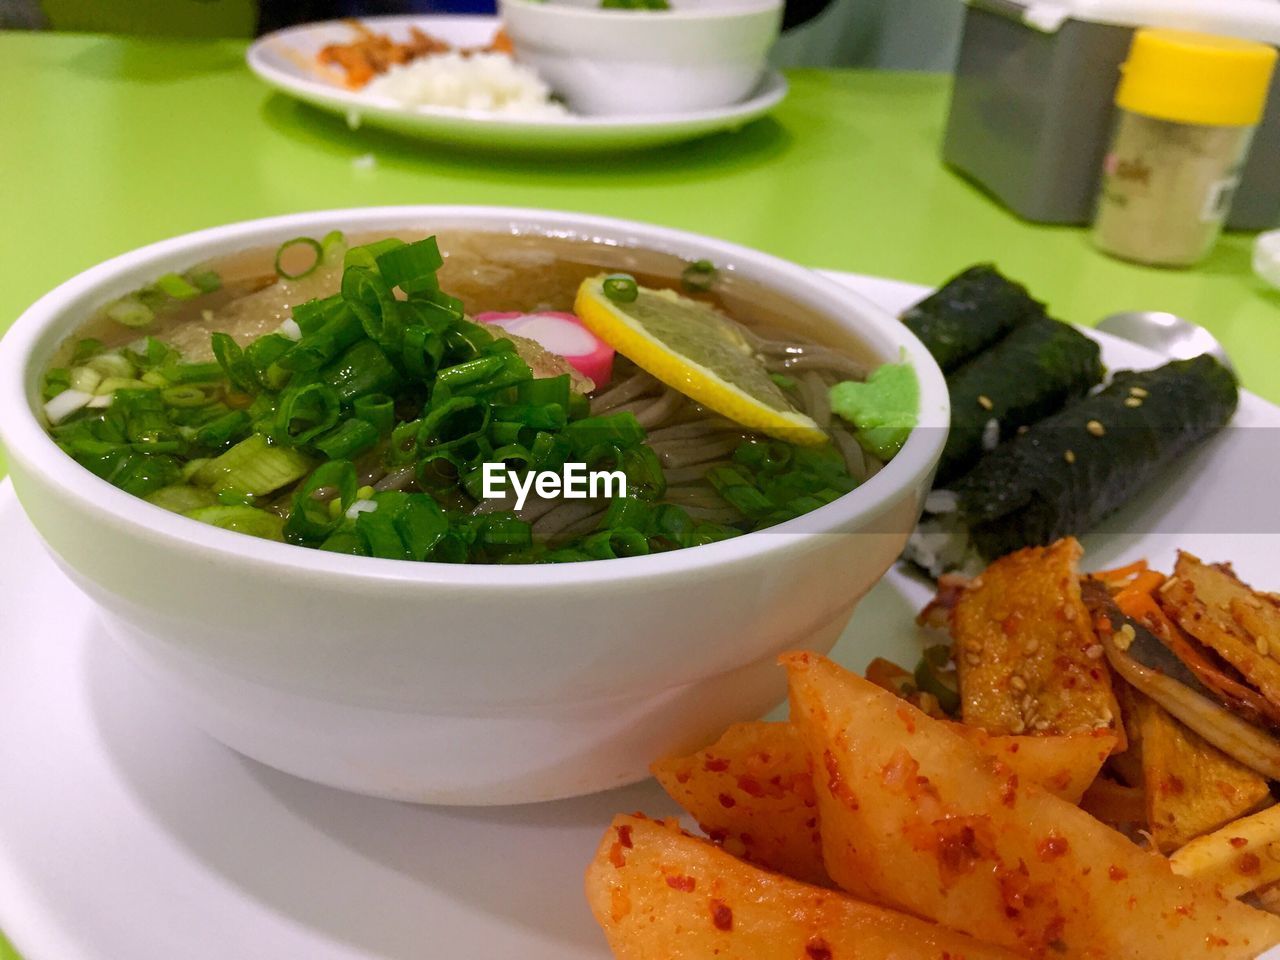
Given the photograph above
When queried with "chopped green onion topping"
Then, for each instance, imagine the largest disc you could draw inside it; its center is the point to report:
(242, 519)
(176, 286)
(621, 288)
(188, 395)
(130, 312)
(311, 519)
(378, 410)
(305, 413)
(182, 498)
(333, 242)
(236, 367)
(937, 676)
(295, 250)
(699, 276)
(86, 350)
(412, 266)
(206, 280)
(254, 466)
(348, 440)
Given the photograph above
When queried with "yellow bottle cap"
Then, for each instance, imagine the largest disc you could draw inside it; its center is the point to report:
(1196, 78)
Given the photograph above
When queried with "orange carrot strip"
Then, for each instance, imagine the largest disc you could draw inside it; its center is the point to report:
(1143, 608)
(1143, 585)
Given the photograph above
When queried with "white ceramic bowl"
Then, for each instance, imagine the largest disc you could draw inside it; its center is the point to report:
(700, 55)
(458, 684)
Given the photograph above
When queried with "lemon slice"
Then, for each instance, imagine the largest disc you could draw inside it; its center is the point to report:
(692, 348)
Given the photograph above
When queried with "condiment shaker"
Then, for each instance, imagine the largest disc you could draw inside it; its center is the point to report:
(1187, 106)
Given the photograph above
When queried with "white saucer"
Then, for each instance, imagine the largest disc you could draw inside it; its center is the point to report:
(282, 59)
(126, 835)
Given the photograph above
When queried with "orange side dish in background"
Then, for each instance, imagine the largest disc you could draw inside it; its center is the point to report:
(374, 53)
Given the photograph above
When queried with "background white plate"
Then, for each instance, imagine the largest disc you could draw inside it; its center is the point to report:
(283, 59)
(126, 835)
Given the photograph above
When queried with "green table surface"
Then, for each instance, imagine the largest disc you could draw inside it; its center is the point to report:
(110, 143)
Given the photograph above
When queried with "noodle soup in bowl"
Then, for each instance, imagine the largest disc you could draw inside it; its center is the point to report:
(499, 676)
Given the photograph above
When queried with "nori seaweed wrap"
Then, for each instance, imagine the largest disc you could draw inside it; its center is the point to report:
(970, 312)
(1066, 473)
(1031, 373)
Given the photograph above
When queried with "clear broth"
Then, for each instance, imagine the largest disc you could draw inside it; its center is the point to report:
(487, 271)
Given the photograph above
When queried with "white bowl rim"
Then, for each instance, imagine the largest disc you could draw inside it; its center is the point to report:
(728, 12)
(27, 440)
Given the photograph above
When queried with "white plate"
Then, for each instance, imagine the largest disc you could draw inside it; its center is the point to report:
(126, 834)
(283, 59)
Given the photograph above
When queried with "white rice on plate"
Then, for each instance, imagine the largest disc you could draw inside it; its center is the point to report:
(491, 82)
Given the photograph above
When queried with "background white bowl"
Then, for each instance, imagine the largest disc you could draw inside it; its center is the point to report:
(700, 55)
(459, 684)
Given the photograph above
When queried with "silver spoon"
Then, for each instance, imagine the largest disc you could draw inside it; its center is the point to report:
(1165, 333)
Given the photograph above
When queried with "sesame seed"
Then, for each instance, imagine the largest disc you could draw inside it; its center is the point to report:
(1028, 704)
(1018, 727)
(1031, 646)
(1263, 647)
(985, 402)
(975, 583)
(1125, 637)
(972, 659)
(1132, 402)
(1069, 456)
(1095, 427)
(974, 644)
(1256, 603)
(1094, 652)
(1017, 683)
(1137, 392)
(1042, 724)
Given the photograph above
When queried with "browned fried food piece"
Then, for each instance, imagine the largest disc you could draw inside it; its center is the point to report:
(1119, 806)
(1191, 787)
(1029, 660)
(1209, 602)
